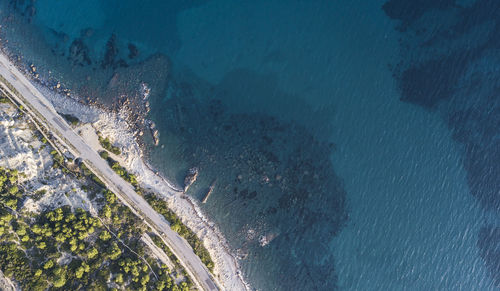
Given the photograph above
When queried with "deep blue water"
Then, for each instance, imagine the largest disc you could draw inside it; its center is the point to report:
(360, 137)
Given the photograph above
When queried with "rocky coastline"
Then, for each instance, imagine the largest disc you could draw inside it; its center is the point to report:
(125, 123)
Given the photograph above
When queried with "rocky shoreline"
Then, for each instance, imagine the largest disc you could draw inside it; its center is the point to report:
(134, 109)
(125, 123)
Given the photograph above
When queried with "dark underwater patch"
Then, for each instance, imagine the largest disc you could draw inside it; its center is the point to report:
(410, 11)
(275, 181)
(432, 81)
(444, 68)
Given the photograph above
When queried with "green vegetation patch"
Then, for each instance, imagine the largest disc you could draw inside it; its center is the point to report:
(66, 249)
(57, 158)
(106, 143)
(131, 178)
(10, 191)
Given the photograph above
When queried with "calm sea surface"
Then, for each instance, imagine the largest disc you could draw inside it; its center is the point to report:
(353, 144)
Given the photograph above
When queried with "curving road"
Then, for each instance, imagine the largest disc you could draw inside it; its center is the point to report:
(43, 111)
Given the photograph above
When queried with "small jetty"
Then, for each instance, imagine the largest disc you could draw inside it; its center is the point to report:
(210, 190)
(190, 178)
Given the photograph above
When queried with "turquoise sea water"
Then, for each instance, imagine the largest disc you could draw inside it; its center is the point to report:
(296, 109)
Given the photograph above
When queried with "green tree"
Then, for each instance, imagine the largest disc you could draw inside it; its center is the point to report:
(119, 278)
(42, 245)
(145, 280)
(115, 251)
(49, 264)
(105, 235)
(92, 253)
(13, 190)
(60, 279)
(106, 211)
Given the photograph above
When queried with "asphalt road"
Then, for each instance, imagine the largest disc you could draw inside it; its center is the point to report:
(43, 111)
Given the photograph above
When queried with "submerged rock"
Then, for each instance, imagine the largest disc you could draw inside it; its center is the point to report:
(133, 51)
(79, 53)
(264, 240)
(155, 134)
(111, 52)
